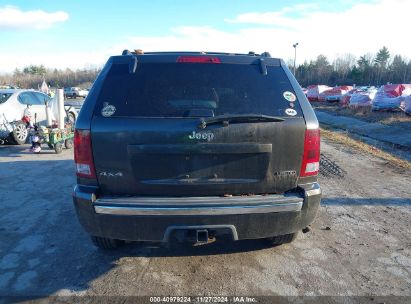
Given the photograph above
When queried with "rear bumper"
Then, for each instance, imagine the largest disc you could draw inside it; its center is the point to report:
(155, 218)
(188, 206)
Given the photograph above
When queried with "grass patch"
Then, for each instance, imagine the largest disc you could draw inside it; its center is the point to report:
(366, 148)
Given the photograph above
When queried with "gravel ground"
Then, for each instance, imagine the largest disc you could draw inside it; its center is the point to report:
(360, 243)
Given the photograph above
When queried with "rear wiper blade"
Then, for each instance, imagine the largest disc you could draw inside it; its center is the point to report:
(226, 119)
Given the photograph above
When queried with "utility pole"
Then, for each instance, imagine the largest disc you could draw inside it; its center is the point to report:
(295, 54)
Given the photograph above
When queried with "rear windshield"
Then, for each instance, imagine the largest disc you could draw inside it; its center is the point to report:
(192, 90)
(4, 97)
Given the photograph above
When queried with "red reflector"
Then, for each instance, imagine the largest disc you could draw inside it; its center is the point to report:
(83, 156)
(311, 158)
(198, 59)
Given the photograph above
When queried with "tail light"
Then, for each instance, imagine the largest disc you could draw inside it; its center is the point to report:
(311, 157)
(83, 156)
(198, 59)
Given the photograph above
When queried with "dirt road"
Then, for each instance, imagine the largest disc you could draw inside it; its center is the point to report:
(360, 243)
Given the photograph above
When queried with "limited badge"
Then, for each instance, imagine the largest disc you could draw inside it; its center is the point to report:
(289, 96)
(108, 110)
(290, 112)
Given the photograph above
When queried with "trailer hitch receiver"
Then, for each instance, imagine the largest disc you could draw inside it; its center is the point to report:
(202, 236)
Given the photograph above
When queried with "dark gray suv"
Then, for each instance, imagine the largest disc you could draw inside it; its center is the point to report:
(194, 146)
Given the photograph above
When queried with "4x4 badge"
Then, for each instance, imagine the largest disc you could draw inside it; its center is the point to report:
(108, 110)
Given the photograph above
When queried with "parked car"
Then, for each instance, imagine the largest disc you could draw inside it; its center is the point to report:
(194, 146)
(17, 103)
(74, 92)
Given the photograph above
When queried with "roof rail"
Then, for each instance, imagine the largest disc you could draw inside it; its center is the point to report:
(140, 52)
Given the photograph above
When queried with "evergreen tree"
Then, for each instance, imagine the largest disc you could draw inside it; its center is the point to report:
(382, 57)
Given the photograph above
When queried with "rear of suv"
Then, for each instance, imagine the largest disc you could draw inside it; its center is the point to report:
(193, 146)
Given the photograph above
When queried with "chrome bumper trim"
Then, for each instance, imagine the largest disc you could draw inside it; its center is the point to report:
(198, 206)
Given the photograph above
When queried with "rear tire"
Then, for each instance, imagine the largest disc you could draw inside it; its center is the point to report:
(106, 243)
(58, 148)
(19, 134)
(282, 239)
(68, 143)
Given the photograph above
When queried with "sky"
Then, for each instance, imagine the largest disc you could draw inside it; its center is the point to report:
(83, 34)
